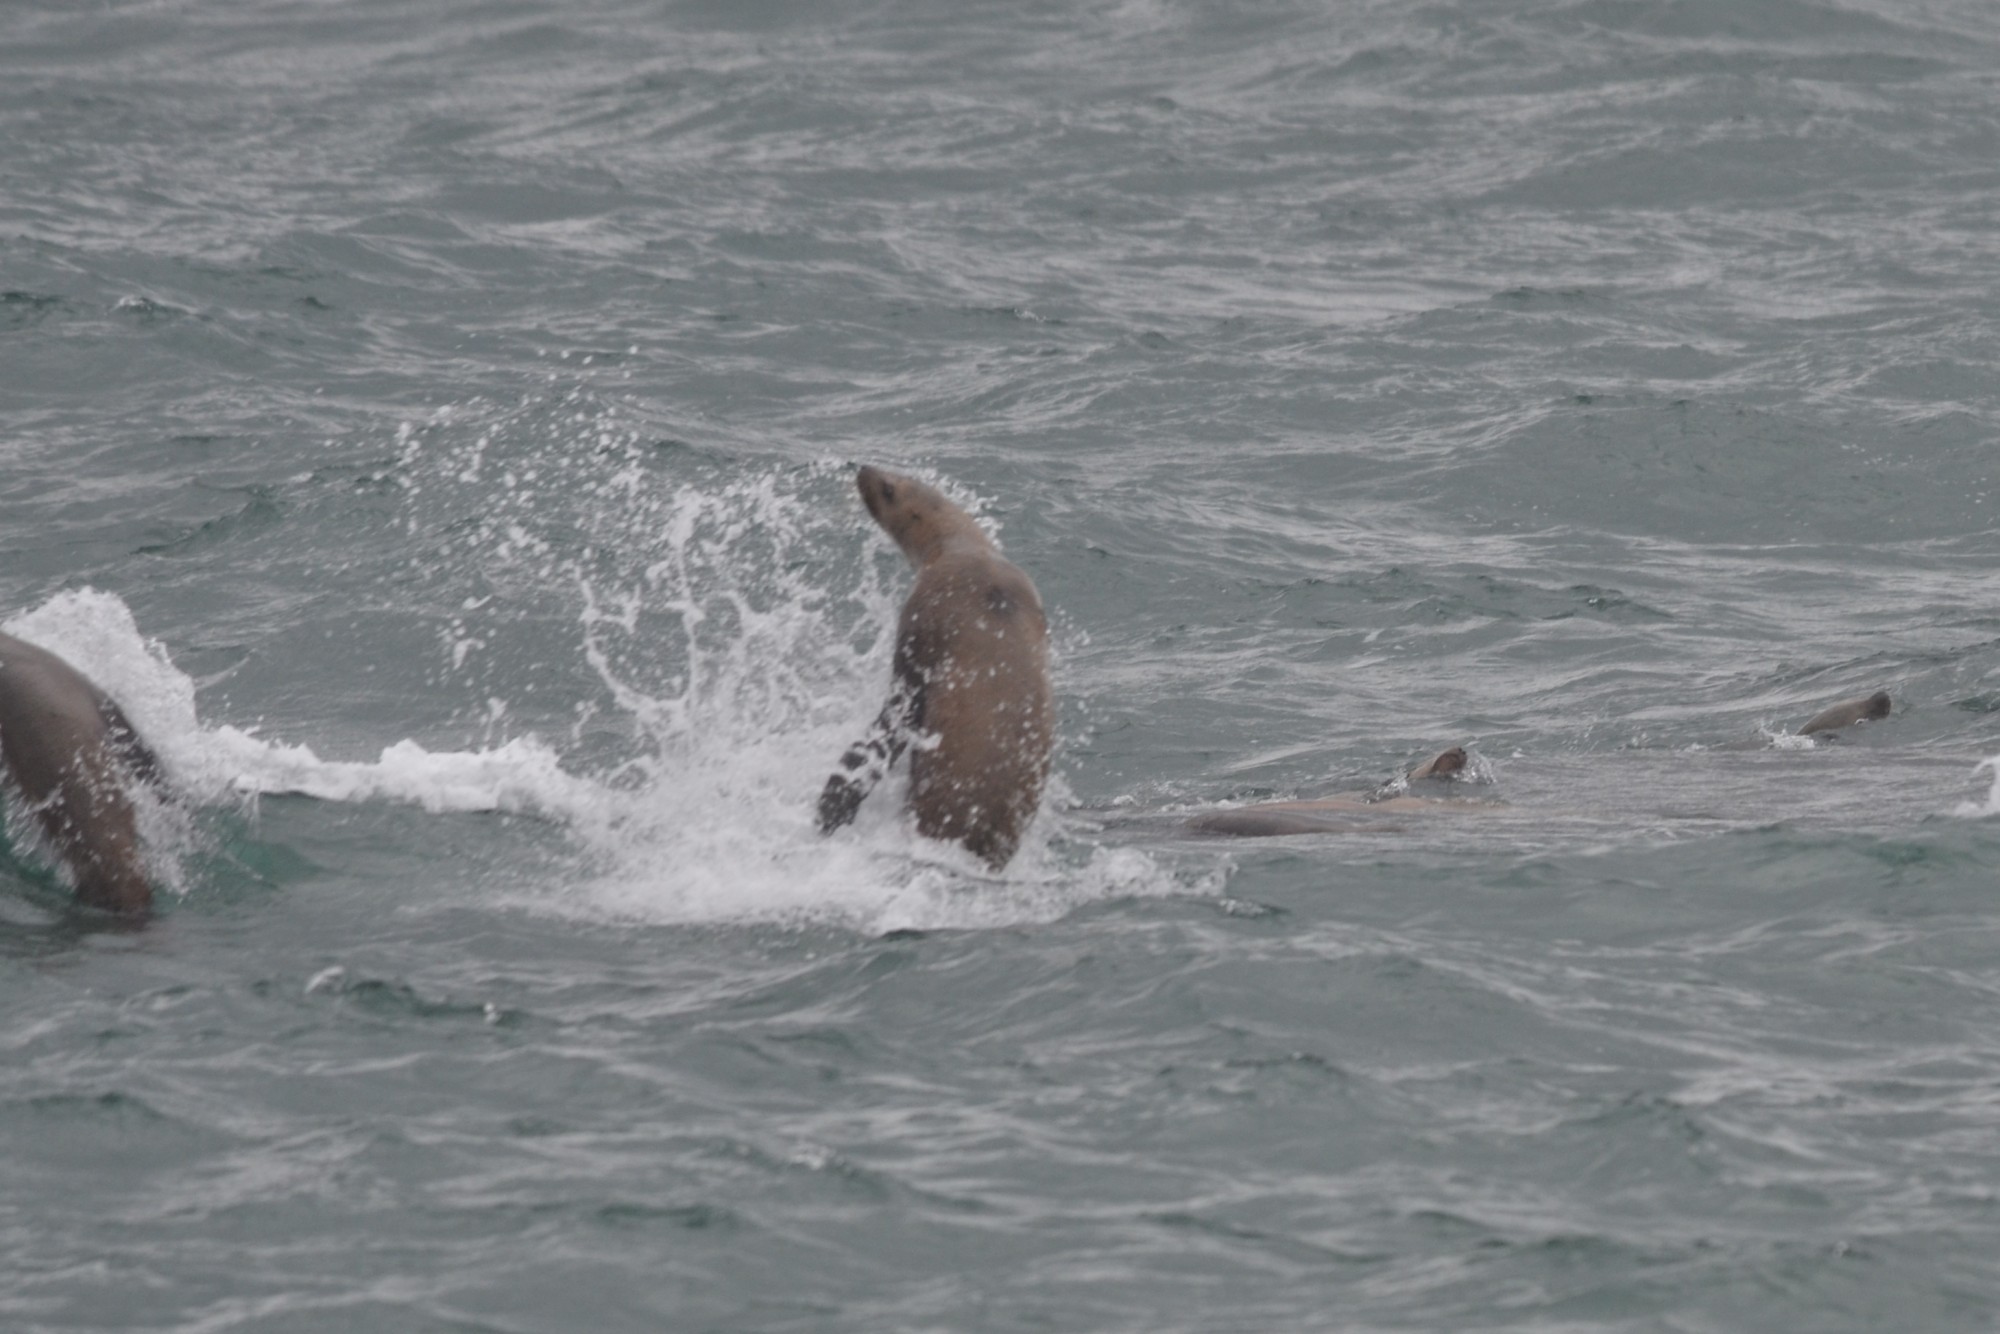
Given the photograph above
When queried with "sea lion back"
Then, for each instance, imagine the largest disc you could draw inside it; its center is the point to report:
(978, 638)
(70, 754)
(1867, 709)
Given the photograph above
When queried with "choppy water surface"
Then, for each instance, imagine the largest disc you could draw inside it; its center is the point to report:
(436, 422)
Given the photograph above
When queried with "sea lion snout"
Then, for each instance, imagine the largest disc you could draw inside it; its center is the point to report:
(876, 488)
(895, 503)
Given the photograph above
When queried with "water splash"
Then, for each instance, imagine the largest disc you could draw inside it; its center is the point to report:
(96, 632)
(1973, 810)
(1777, 737)
(740, 620)
(739, 626)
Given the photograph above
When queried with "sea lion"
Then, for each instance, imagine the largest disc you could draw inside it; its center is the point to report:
(970, 695)
(1868, 709)
(1447, 763)
(72, 754)
(1346, 813)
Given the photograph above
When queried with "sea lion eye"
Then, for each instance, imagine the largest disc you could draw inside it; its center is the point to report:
(888, 491)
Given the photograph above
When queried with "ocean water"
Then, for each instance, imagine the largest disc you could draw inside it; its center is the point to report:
(436, 422)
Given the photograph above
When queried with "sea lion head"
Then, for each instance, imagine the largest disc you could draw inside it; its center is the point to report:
(1445, 764)
(919, 516)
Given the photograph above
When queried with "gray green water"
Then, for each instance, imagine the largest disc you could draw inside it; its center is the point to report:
(436, 421)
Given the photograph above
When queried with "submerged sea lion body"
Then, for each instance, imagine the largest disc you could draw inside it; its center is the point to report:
(1348, 813)
(970, 698)
(1869, 708)
(72, 753)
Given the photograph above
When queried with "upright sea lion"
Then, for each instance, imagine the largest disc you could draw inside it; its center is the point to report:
(72, 754)
(1847, 713)
(970, 696)
(1346, 813)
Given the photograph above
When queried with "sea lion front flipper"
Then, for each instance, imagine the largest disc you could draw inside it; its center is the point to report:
(129, 745)
(868, 760)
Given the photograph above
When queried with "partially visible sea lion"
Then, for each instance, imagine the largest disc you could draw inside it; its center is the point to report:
(970, 696)
(1346, 813)
(1867, 709)
(1446, 763)
(72, 753)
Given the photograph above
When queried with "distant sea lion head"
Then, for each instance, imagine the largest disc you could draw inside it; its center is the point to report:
(921, 519)
(1445, 764)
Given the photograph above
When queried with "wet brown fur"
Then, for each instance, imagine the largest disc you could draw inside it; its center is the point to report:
(1869, 708)
(971, 696)
(71, 754)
